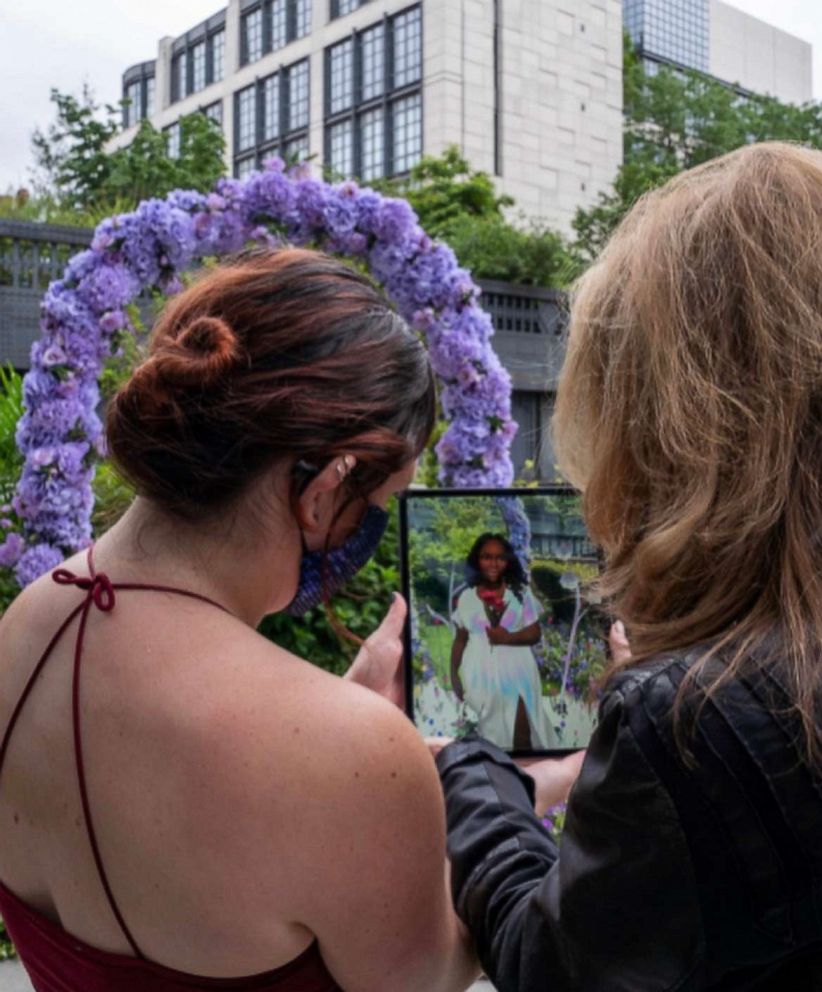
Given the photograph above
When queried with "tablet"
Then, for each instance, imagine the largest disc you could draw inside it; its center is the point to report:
(504, 637)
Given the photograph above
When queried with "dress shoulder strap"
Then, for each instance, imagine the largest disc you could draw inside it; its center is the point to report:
(100, 593)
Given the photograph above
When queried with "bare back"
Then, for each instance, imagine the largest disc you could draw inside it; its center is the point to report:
(227, 781)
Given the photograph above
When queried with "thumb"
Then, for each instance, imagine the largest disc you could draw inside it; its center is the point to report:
(394, 620)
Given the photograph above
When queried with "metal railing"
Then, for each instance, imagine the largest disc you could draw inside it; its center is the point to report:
(31, 255)
(529, 320)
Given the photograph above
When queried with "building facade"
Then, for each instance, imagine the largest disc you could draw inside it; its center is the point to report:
(716, 38)
(530, 90)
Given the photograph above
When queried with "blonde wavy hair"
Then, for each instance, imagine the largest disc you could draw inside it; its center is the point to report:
(689, 413)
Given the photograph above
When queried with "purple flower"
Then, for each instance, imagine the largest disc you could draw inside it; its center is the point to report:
(36, 561)
(60, 432)
(11, 549)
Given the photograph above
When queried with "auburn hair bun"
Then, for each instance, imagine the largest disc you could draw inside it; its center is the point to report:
(201, 354)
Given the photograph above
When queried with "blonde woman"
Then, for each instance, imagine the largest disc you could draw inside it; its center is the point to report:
(690, 416)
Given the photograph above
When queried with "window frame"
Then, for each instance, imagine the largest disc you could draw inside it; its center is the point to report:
(297, 13)
(263, 146)
(386, 100)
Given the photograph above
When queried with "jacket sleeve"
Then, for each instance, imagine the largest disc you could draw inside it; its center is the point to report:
(613, 908)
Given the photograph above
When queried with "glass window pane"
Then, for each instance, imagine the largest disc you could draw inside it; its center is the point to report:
(407, 138)
(297, 149)
(298, 96)
(372, 143)
(279, 24)
(341, 149)
(271, 108)
(373, 62)
(133, 112)
(198, 59)
(303, 18)
(341, 76)
(244, 167)
(346, 6)
(182, 75)
(407, 48)
(218, 56)
(173, 140)
(253, 35)
(246, 118)
(150, 89)
(214, 111)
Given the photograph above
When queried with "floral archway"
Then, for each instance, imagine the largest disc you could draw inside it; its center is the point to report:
(85, 316)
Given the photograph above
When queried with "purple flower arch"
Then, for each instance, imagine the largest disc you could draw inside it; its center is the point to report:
(84, 316)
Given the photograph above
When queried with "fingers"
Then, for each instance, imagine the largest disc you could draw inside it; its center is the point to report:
(618, 643)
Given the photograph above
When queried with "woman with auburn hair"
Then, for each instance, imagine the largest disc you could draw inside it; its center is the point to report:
(689, 414)
(183, 802)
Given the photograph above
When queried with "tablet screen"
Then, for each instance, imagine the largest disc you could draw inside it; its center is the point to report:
(504, 637)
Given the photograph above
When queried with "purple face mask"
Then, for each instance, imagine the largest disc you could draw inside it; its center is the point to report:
(322, 574)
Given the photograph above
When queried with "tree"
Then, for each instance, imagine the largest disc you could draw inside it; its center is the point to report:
(71, 152)
(676, 119)
(445, 189)
(78, 173)
(462, 206)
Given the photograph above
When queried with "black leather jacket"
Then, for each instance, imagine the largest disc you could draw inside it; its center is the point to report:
(672, 874)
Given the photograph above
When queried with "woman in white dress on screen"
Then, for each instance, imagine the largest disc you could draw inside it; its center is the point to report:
(493, 668)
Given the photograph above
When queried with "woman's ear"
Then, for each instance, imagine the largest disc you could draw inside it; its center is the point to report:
(316, 504)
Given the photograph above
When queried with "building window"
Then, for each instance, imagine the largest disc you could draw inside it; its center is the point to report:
(339, 8)
(341, 148)
(244, 166)
(246, 118)
(271, 107)
(138, 97)
(179, 73)
(373, 62)
(407, 47)
(172, 133)
(133, 110)
(674, 32)
(198, 67)
(198, 60)
(373, 84)
(273, 25)
(372, 144)
(341, 76)
(298, 96)
(271, 117)
(407, 132)
(217, 45)
(252, 36)
(214, 112)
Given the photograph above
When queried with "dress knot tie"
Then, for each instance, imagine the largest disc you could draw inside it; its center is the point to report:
(98, 588)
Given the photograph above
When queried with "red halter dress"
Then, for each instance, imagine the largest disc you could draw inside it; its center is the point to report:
(58, 962)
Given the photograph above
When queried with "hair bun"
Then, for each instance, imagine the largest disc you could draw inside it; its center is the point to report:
(200, 355)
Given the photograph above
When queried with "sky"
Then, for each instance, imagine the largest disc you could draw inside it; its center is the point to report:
(66, 43)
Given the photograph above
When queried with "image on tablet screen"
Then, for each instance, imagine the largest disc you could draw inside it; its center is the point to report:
(505, 639)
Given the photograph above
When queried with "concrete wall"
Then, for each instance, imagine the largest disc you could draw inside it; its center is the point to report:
(757, 56)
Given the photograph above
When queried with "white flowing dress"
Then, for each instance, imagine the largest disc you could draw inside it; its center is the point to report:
(496, 676)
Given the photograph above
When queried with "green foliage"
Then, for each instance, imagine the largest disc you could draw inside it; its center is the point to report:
(77, 173)
(461, 206)
(11, 461)
(493, 248)
(674, 120)
(360, 608)
(144, 169)
(445, 188)
(71, 152)
(6, 947)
